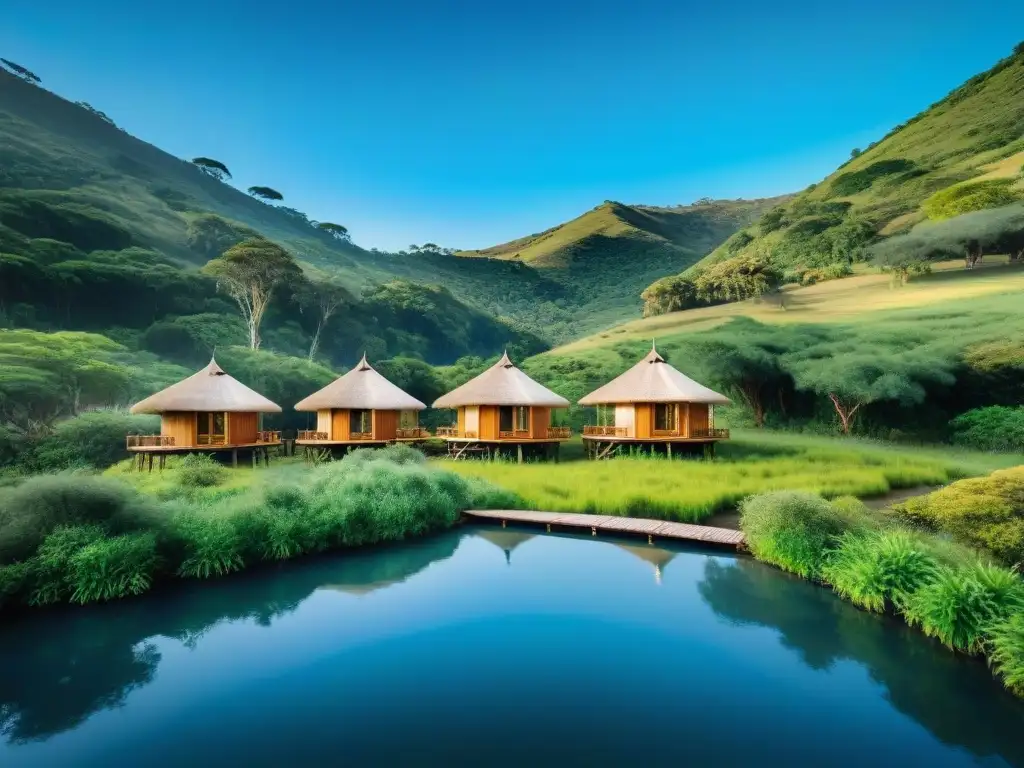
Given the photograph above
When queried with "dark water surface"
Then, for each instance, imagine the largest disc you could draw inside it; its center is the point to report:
(495, 647)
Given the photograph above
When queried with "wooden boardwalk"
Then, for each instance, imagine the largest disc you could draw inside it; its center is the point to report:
(612, 524)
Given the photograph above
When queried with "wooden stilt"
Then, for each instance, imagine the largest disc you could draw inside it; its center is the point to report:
(151, 462)
(234, 458)
(519, 452)
(668, 446)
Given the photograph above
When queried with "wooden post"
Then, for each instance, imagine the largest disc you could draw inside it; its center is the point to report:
(558, 450)
(151, 462)
(234, 458)
(519, 452)
(669, 447)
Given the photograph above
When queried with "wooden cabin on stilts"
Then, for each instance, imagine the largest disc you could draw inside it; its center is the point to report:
(209, 412)
(653, 407)
(360, 409)
(503, 412)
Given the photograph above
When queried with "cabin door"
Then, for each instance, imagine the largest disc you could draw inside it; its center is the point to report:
(360, 423)
(472, 428)
(211, 428)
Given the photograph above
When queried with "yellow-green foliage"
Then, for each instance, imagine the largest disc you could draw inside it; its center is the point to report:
(1006, 651)
(984, 512)
(790, 529)
(692, 490)
(964, 198)
(875, 570)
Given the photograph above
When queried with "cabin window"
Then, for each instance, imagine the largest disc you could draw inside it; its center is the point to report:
(522, 418)
(211, 428)
(505, 418)
(360, 422)
(665, 417)
(606, 415)
(408, 420)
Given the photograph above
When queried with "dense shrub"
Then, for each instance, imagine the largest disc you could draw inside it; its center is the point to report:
(30, 510)
(972, 196)
(995, 428)
(986, 512)
(877, 570)
(50, 568)
(95, 438)
(790, 529)
(212, 545)
(1006, 651)
(852, 182)
(199, 470)
(959, 606)
(115, 567)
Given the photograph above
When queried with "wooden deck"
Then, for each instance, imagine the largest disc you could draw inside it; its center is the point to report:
(618, 525)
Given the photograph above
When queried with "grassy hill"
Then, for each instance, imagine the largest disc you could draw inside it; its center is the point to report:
(606, 257)
(964, 153)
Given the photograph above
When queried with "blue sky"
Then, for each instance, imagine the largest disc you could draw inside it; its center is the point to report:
(471, 123)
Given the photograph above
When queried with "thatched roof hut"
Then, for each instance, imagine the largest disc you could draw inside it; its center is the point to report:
(653, 380)
(502, 384)
(362, 388)
(210, 389)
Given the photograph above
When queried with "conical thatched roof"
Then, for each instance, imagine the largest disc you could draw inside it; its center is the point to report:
(362, 388)
(652, 380)
(208, 390)
(502, 384)
(656, 556)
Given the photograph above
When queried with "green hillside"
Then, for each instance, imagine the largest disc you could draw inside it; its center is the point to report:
(962, 154)
(605, 257)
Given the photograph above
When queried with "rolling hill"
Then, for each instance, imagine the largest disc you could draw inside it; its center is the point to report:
(962, 154)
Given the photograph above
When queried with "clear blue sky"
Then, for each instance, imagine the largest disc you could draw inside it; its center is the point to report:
(471, 123)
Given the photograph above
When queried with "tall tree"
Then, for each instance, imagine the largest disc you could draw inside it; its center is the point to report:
(25, 74)
(323, 298)
(337, 231)
(211, 167)
(249, 273)
(265, 193)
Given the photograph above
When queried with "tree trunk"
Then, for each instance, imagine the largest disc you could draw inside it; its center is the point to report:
(846, 412)
(314, 345)
(750, 391)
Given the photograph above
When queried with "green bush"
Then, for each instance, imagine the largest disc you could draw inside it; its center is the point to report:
(959, 606)
(50, 568)
(95, 438)
(972, 196)
(995, 428)
(876, 570)
(1006, 651)
(790, 529)
(15, 582)
(114, 567)
(985, 512)
(30, 510)
(199, 470)
(212, 546)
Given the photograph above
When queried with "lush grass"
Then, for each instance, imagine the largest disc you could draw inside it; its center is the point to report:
(753, 462)
(84, 538)
(948, 591)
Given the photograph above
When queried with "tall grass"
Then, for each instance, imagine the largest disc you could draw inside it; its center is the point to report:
(943, 588)
(79, 541)
(691, 490)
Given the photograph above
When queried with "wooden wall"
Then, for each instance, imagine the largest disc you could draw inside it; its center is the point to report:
(323, 422)
(698, 417)
(181, 425)
(241, 428)
(644, 425)
(461, 421)
(490, 420)
(540, 420)
(625, 416)
(385, 425)
(340, 426)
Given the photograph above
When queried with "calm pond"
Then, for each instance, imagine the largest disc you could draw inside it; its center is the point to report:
(490, 646)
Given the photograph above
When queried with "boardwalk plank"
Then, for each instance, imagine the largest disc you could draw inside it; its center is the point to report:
(614, 524)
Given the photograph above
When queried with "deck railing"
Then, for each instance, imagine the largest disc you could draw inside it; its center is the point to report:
(412, 432)
(312, 434)
(713, 432)
(360, 436)
(452, 431)
(268, 436)
(211, 440)
(512, 434)
(150, 441)
(602, 431)
(559, 433)
(666, 433)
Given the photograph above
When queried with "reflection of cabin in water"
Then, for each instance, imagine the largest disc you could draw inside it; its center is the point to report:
(656, 556)
(653, 407)
(505, 539)
(209, 412)
(500, 410)
(361, 408)
(362, 572)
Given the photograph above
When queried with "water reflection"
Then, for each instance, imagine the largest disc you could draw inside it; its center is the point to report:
(505, 539)
(57, 669)
(921, 679)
